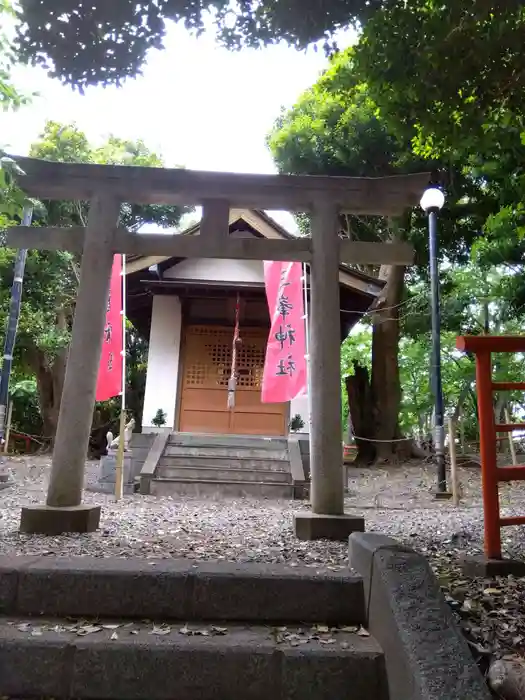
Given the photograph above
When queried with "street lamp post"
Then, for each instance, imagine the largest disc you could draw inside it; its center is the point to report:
(432, 202)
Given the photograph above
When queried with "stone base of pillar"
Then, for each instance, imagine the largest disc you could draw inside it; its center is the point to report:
(481, 567)
(45, 520)
(311, 526)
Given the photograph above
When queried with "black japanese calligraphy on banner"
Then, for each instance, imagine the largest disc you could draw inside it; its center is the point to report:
(285, 365)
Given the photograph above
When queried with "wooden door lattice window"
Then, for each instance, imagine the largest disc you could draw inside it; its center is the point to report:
(210, 363)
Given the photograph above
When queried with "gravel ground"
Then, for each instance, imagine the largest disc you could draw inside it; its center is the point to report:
(397, 501)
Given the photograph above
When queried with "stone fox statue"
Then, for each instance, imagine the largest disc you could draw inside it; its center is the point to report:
(113, 443)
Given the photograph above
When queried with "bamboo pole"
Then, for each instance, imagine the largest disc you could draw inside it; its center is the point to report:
(8, 427)
(512, 446)
(462, 431)
(119, 467)
(453, 461)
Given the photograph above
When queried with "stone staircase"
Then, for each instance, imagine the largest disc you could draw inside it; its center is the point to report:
(158, 630)
(223, 465)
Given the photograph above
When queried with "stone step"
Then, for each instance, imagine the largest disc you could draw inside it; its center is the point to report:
(211, 488)
(213, 473)
(210, 460)
(226, 452)
(178, 589)
(235, 441)
(49, 658)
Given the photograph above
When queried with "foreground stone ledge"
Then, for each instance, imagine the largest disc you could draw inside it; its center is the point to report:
(46, 520)
(426, 656)
(311, 526)
(178, 589)
(482, 567)
(245, 663)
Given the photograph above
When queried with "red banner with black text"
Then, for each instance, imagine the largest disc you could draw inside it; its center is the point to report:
(109, 382)
(285, 373)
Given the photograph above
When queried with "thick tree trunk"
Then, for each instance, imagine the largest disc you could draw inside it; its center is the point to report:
(359, 394)
(386, 389)
(374, 401)
(49, 380)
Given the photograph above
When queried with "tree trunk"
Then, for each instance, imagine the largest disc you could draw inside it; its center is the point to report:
(374, 402)
(386, 390)
(359, 394)
(49, 379)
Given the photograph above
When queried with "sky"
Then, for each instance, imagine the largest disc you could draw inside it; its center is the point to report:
(196, 104)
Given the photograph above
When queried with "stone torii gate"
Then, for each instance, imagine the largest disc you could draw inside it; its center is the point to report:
(106, 187)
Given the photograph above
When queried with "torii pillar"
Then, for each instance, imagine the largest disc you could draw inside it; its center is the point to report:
(327, 518)
(64, 510)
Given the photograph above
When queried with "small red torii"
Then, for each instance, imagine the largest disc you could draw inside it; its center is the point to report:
(482, 346)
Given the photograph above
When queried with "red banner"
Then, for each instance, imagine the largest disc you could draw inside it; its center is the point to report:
(109, 383)
(284, 375)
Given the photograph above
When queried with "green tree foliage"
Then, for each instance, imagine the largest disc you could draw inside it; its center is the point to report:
(335, 128)
(11, 198)
(445, 71)
(10, 96)
(51, 279)
(106, 42)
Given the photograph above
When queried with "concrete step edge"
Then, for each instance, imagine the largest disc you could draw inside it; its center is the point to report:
(234, 458)
(252, 663)
(236, 482)
(239, 476)
(226, 453)
(215, 468)
(177, 589)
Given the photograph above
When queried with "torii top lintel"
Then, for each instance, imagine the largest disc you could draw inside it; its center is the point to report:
(144, 185)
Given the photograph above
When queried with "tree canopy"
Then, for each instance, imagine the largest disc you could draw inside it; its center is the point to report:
(103, 42)
(445, 46)
(343, 125)
(51, 277)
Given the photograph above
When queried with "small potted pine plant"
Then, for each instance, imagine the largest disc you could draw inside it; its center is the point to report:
(159, 419)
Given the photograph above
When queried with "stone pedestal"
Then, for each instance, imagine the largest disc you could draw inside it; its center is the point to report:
(312, 526)
(108, 471)
(481, 567)
(46, 520)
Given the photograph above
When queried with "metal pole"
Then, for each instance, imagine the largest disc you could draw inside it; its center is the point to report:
(437, 388)
(119, 470)
(12, 325)
(307, 345)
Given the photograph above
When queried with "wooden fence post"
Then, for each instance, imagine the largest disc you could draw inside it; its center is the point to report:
(453, 461)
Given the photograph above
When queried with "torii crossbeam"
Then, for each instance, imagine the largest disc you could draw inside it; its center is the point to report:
(107, 187)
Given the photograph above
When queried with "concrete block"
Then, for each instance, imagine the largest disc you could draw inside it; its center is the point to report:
(93, 587)
(426, 656)
(181, 590)
(186, 668)
(108, 472)
(45, 520)
(8, 586)
(331, 672)
(311, 526)
(32, 667)
(201, 488)
(262, 592)
(481, 567)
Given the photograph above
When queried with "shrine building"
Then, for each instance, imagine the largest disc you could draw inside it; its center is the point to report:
(186, 307)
